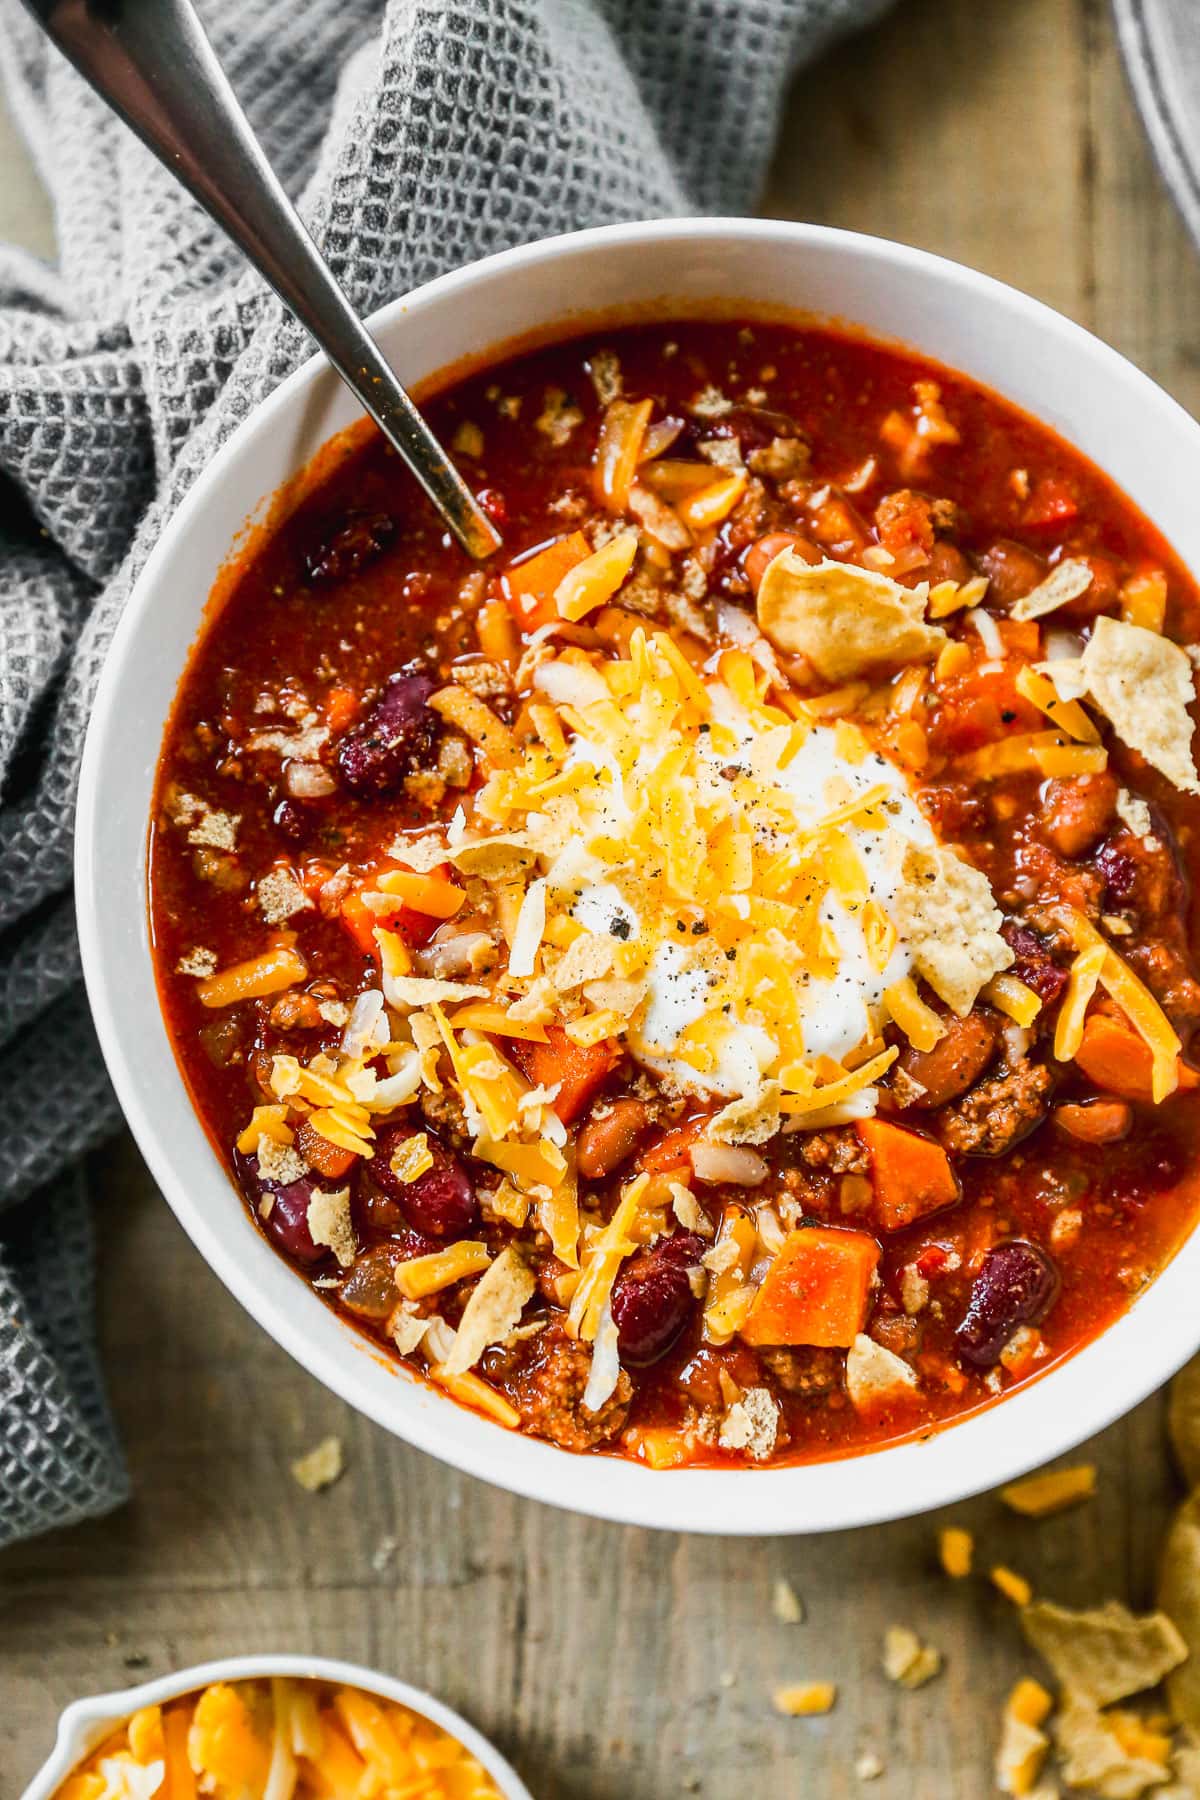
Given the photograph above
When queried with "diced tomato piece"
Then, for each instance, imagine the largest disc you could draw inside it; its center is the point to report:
(578, 1069)
(816, 1289)
(910, 1174)
(1052, 502)
(341, 709)
(932, 1260)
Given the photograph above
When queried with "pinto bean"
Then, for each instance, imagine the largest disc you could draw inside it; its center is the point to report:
(606, 1138)
(1077, 811)
(956, 1060)
(946, 563)
(766, 549)
(1096, 1121)
(1012, 570)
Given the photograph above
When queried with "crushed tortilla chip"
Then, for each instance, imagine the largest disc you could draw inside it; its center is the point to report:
(804, 1699)
(786, 1603)
(1144, 684)
(321, 1466)
(843, 619)
(1065, 582)
(1104, 1653)
(1040, 1495)
(906, 1660)
(875, 1375)
(493, 1310)
(330, 1224)
(1179, 1597)
(1094, 1757)
(945, 912)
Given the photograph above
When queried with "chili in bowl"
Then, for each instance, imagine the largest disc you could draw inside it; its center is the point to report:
(708, 991)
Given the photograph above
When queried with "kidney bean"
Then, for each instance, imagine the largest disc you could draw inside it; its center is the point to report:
(606, 1139)
(287, 1222)
(946, 563)
(441, 1203)
(1033, 964)
(1119, 872)
(652, 1298)
(395, 737)
(1096, 1121)
(956, 1060)
(357, 542)
(1077, 810)
(1011, 569)
(1015, 1286)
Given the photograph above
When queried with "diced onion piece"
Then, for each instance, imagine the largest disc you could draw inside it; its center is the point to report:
(1009, 995)
(734, 1164)
(989, 632)
(424, 1275)
(360, 1027)
(253, 979)
(917, 1020)
(594, 581)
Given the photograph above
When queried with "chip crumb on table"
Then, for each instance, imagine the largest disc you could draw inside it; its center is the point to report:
(321, 1466)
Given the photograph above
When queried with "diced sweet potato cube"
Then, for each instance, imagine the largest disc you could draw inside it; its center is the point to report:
(815, 1291)
(910, 1174)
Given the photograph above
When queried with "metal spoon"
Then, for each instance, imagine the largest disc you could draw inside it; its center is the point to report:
(151, 61)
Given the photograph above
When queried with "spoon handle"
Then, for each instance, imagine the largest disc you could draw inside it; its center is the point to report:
(153, 64)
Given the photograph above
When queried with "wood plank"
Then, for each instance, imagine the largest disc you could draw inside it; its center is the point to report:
(611, 1661)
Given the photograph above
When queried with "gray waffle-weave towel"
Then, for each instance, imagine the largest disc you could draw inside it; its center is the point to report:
(416, 135)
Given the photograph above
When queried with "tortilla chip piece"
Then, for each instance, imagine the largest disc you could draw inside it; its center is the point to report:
(1040, 1495)
(1179, 1597)
(320, 1467)
(1094, 1757)
(945, 912)
(1183, 1421)
(842, 619)
(906, 1660)
(875, 1375)
(1065, 582)
(1144, 684)
(493, 1310)
(1104, 1653)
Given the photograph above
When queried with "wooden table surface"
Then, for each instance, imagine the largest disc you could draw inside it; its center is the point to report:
(610, 1663)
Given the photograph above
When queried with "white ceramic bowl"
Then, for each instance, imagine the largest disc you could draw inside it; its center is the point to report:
(86, 1723)
(1047, 365)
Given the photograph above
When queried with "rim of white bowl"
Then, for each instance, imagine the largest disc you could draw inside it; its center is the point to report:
(87, 1721)
(1076, 1397)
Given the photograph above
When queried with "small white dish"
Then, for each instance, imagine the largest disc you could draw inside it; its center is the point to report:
(86, 1723)
(1041, 361)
